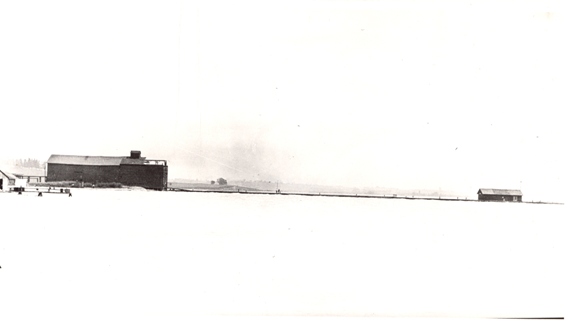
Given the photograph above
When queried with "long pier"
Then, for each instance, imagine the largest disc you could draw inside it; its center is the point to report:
(342, 195)
(63, 191)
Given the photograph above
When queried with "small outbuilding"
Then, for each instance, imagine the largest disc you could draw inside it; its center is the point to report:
(9, 181)
(499, 195)
(29, 174)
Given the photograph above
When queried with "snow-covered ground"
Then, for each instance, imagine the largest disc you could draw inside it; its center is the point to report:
(144, 255)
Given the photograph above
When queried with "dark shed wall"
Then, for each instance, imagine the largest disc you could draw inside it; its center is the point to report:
(483, 197)
(147, 176)
(86, 173)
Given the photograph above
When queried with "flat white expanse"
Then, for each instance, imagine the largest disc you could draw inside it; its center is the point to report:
(140, 255)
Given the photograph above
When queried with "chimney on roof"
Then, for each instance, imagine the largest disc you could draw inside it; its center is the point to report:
(135, 154)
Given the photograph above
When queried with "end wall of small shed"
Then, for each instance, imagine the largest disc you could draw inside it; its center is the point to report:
(141, 175)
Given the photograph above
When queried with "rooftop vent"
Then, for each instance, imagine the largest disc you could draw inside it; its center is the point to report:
(135, 154)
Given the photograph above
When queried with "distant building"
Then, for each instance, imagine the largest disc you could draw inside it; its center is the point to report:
(499, 195)
(130, 171)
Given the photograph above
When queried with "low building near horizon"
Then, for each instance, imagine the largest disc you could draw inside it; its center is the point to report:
(512, 195)
(133, 170)
(27, 173)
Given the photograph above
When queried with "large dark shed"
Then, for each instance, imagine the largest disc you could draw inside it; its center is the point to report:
(131, 171)
(499, 195)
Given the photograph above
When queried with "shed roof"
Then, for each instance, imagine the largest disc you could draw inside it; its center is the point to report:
(503, 192)
(26, 172)
(84, 160)
(133, 161)
(8, 175)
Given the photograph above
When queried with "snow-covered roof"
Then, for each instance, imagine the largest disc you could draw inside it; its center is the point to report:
(83, 160)
(504, 192)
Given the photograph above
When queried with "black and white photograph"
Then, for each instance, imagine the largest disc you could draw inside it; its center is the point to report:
(332, 160)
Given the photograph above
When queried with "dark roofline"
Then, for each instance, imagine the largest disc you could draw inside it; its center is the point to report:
(87, 165)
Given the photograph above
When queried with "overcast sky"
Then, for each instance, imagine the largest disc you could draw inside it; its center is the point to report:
(452, 95)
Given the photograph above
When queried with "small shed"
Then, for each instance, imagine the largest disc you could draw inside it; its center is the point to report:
(512, 195)
(29, 174)
(9, 181)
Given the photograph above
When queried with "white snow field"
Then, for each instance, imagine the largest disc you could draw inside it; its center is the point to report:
(117, 255)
